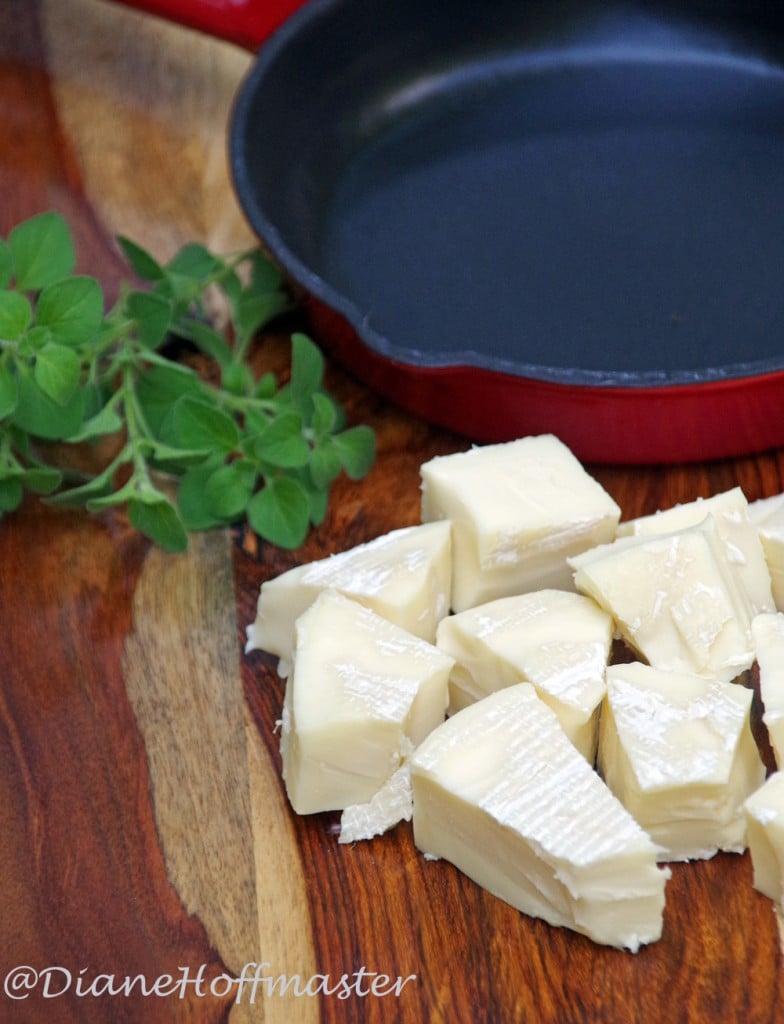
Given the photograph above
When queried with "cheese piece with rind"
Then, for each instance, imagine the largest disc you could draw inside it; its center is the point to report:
(735, 530)
(500, 792)
(764, 811)
(678, 752)
(558, 640)
(767, 514)
(518, 509)
(674, 598)
(768, 632)
(362, 693)
(404, 576)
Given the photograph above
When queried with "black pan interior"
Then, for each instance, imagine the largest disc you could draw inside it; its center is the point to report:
(574, 191)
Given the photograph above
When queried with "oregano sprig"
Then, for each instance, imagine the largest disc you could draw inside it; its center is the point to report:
(72, 372)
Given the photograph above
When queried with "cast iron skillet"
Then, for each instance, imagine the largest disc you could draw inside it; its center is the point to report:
(524, 217)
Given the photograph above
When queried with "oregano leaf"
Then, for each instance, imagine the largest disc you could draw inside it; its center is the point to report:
(143, 263)
(158, 520)
(56, 371)
(280, 512)
(43, 251)
(356, 448)
(16, 314)
(8, 391)
(72, 310)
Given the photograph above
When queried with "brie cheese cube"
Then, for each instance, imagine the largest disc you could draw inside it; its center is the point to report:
(768, 632)
(678, 752)
(501, 793)
(735, 531)
(517, 511)
(404, 576)
(361, 695)
(765, 830)
(675, 600)
(558, 640)
(768, 516)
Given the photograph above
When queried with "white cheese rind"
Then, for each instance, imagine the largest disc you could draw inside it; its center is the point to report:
(392, 804)
(764, 811)
(558, 640)
(404, 576)
(500, 792)
(675, 600)
(517, 510)
(768, 632)
(678, 752)
(361, 694)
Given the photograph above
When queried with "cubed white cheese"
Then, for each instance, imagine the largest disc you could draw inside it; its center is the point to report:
(501, 793)
(678, 752)
(768, 516)
(735, 531)
(517, 511)
(404, 576)
(558, 640)
(675, 600)
(361, 694)
(765, 829)
(768, 632)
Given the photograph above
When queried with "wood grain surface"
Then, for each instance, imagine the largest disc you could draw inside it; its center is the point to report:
(144, 830)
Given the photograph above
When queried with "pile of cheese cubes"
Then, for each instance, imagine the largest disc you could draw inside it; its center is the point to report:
(460, 673)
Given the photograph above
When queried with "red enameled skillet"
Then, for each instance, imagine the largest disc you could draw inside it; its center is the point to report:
(526, 217)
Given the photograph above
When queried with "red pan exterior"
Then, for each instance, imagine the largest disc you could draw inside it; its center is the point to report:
(624, 425)
(244, 22)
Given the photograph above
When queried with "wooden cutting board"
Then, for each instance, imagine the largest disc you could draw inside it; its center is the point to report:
(144, 831)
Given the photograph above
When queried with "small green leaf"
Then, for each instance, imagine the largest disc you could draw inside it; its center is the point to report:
(325, 414)
(43, 251)
(237, 378)
(280, 512)
(282, 443)
(319, 501)
(228, 490)
(71, 309)
(152, 314)
(105, 421)
(97, 488)
(11, 493)
(307, 369)
(143, 264)
(42, 479)
(198, 424)
(325, 465)
(8, 391)
(264, 275)
(356, 449)
(56, 371)
(16, 315)
(194, 261)
(6, 265)
(253, 311)
(158, 519)
(191, 501)
(41, 416)
(159, 388)
(266, 386)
